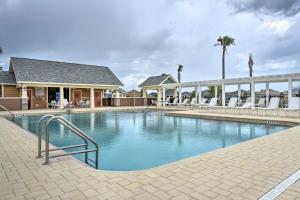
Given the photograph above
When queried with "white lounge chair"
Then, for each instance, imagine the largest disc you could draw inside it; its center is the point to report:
(185, 102)
(87, 103)
(213, 102)
(274, 103)
(294, 103)
(65, 103)
(175, 102)
(167, 101)
(248, 103)
(193, 101)
(203, 102)
(261, 103)
(232, 102)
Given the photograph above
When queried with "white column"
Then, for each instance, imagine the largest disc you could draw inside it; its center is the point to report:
(144, 93)
(92, 97)
(163, 96)
(290, 91)
(24, 92)
(61, 97)
(239, 91)
(267, 93)
(216, 91)
(253, 94)
(196, 93)
(223, 94)
(2, 90)
(159, 97)
(70, 96)
(180, 95)
(199, 94)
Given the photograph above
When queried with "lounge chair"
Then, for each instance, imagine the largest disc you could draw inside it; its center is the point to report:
(193, 101)
(167, 101)
(185, 102)
(274, 103)
(203, 102)
(294, 103)
(175, 102)
(213, 102)
(232, 102)
(153, 102)
(261, 103)
(65, 103)
(87, 103)
(248, 103)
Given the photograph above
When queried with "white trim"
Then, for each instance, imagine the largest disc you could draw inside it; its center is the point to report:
(170, 76)
(65, 84)
(281, 187)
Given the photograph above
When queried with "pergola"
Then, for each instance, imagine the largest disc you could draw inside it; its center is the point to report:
(289, 78)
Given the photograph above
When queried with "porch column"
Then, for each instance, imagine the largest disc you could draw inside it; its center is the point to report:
(70, 96)
(253, 94)
(290, 91)
(175, 92)
(223, 94)
(144, 93)
(196, 93)
(216, 91)
(92, 97)
(180, 95)
(159, 97)
(267, 93)
(239, 91)
(61, 97)
(199, 94)
(2, 90)
(163, 96)
(24, 98)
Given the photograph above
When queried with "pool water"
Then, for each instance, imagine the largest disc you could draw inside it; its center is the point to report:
(140, 140)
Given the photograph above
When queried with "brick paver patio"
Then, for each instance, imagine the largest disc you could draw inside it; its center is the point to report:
(243, 171)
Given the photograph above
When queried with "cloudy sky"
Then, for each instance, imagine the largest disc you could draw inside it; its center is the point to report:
(139, 38)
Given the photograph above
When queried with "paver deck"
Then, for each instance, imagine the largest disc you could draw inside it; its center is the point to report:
(243, 171)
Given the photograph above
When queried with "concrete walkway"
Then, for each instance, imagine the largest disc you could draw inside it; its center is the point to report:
(243, 171)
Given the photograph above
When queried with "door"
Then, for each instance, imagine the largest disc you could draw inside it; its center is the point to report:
(77, 94)
(98, 98)
(29, 96)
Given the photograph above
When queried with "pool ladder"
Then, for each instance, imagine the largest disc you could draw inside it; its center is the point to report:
(75, 130)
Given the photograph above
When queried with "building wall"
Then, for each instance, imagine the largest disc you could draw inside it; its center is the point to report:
(11, 91)
(11, 103)
(38, 101)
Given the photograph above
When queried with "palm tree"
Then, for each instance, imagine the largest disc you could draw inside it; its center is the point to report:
(224, 42)
(250, 65)
(179, 70)
(1, 50)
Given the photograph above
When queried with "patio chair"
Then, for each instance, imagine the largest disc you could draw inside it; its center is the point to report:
(87, 103)
(167, 101)
(248, 103)
(203, 102)
(294, 103)
(175, 102)
(261, 102)
(213, 102)
(185, 102)
(153, 102)
(232, 102)
(193, 101)
(65, 103)
(274, 103)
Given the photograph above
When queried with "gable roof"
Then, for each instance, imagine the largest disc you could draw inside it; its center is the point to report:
(33, 70)
(7, 77)
(156, 80)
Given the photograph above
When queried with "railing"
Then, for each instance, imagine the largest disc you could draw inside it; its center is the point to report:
(75, 130)
(12, 114)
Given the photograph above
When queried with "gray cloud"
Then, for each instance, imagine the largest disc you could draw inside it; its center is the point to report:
(284, 7)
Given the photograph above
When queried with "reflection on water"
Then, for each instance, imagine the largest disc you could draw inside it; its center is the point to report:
(139, 140)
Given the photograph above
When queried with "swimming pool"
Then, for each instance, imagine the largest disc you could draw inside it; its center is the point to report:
(140, 140)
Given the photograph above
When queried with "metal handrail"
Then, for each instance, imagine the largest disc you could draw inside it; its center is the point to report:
(39, 133)
(78, 132)
(10, 112)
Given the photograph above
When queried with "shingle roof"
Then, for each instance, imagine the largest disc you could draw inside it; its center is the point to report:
(7, 77)
(32, 70)
(154, 80)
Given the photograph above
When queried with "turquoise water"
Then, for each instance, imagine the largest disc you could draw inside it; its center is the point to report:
(141, 140)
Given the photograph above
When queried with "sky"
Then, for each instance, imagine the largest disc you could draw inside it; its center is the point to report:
(142, 38)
